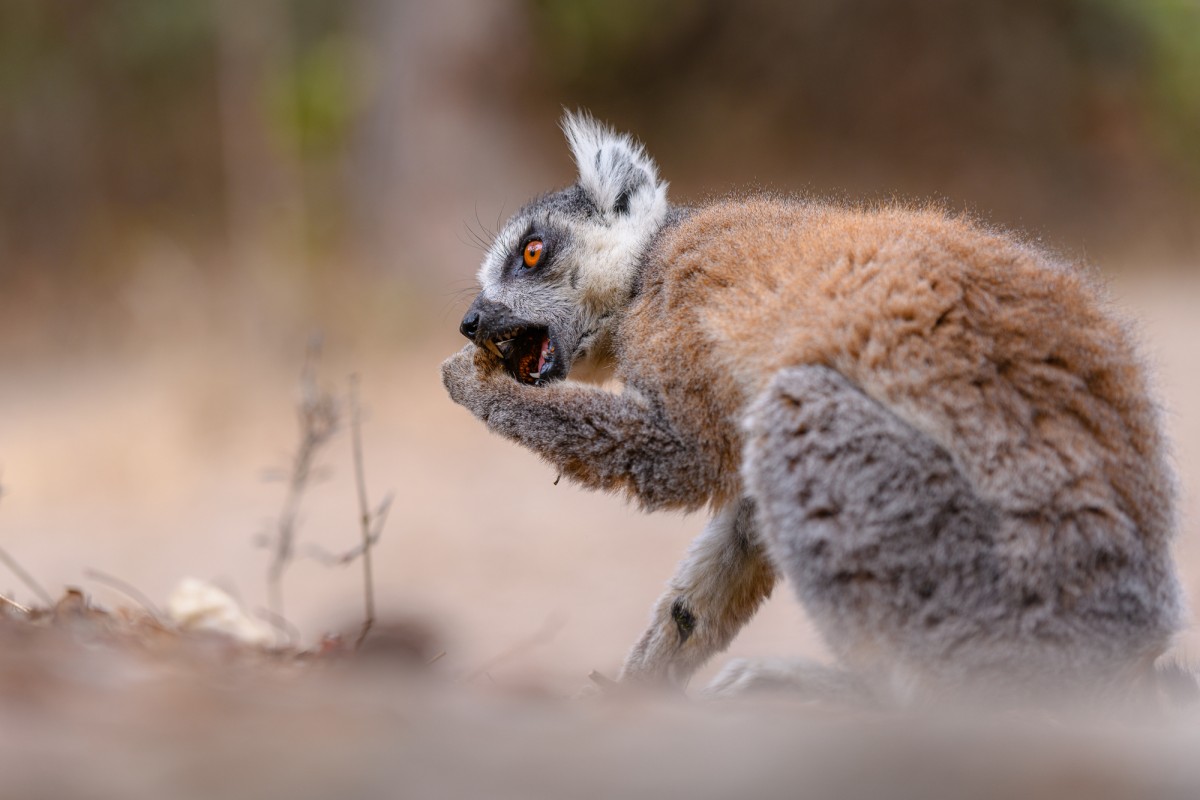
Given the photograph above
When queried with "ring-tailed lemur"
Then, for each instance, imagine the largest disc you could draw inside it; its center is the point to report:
(940, 435)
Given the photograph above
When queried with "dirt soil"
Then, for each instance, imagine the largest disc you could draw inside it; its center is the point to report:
(100, 705)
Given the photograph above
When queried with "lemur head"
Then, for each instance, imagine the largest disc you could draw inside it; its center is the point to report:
(557, 276)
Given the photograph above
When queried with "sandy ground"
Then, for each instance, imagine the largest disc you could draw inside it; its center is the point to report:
(150, 467)
(84, 720)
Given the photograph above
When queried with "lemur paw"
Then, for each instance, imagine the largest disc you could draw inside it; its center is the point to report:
(802, 680)
(737, 677)
(671, 649)
(473, 377)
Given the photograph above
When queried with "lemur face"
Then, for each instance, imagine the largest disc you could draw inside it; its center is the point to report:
(563, 267)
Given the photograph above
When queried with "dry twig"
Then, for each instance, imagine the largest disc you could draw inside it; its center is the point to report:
(281, 624)
(6, 601)
(603, 681)
(370, 522)
(331, 559)
(26, 578)
(541, 636)
(318, 422)
(127, 589)
(364, 511)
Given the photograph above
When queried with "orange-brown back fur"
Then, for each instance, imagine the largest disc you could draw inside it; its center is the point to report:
(1005, 357)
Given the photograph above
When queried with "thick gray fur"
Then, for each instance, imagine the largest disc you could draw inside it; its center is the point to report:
(901, 565)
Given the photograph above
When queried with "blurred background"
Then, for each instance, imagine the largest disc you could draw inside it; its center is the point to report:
(188, 191)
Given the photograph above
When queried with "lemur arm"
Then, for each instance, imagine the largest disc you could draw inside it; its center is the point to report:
(600, 439)
(723, 579)
(621, 441)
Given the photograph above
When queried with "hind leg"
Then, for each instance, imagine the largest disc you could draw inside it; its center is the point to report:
(884, 540)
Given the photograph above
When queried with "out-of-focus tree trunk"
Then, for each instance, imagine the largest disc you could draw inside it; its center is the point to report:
(438, 124)
(264, 187)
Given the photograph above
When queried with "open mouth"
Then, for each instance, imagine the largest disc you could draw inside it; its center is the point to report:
(528, 353)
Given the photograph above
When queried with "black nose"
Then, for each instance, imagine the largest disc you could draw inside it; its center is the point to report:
(470, 325)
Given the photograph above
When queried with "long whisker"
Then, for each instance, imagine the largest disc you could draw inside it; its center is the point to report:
(477, 242)
(472, 243)
(457, 296)
(491, 235)
(500, 214)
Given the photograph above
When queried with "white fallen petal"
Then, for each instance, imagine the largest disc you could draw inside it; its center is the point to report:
(197, 605)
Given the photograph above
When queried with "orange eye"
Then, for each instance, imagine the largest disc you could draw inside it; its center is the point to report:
(533, 253)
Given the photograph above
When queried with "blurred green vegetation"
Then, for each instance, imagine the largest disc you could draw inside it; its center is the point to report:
(164, 52)
(126, 118)
(1169, 32)
(110, 117)
(1029, 73)
(315, 102)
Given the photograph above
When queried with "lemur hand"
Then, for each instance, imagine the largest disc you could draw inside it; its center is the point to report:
(475, 380)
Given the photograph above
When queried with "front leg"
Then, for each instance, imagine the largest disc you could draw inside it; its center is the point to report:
(600, 439)
(720, 583)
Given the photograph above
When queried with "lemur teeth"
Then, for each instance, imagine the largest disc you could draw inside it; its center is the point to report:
(490, 345)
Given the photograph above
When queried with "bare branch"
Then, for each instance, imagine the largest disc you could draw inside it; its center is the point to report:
(370, 523)
(318, 416)
(603, 681)
(281, 624)
(369, 536)
(543, 635)
(6, 601)
(26, 578)
(332, 559)
(127, 589)
(23, 575)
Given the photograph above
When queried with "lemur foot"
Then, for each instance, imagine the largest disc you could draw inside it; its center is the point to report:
(803, 679)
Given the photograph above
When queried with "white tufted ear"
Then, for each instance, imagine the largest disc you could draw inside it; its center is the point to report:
(614, 169)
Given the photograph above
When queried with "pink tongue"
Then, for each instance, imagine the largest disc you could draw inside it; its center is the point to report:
(542, 357)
